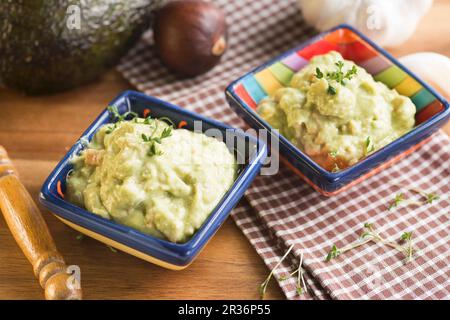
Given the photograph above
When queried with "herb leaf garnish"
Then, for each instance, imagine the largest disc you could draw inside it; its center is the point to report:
(300, 281)
(370, 235)
(167, 120)
(370, 146)
(432, 197)
(338, 76)
(117, 117)
(333, 253)
(319, 74)
(335, 168)
(331, 90)
(407, 237)
(153, 150)
(80, 236)
(399, 197)
(429, 198)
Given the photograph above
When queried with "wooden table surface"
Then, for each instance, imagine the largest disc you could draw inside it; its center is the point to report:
(37, 131)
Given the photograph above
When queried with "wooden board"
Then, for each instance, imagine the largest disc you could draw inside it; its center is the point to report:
(37, 132)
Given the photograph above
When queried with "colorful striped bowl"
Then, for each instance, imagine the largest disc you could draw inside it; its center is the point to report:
(432, 109)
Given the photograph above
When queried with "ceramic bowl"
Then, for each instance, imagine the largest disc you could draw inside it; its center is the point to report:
(433, 110)
(161, 252)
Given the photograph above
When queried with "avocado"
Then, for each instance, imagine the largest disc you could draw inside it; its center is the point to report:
(50, 46)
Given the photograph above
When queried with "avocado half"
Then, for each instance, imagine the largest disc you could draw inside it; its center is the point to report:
(50, 46)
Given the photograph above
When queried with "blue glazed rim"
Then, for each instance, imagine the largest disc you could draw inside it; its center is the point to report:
(369, 162)
(178, 254)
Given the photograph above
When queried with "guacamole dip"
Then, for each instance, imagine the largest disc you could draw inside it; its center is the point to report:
(151, 177)
(336, 112)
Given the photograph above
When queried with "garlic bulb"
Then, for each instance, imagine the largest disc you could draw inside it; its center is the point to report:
(387, 22)
(432, 67)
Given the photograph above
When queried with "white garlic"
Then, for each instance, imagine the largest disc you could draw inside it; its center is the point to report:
(432, 67)
(387, 22)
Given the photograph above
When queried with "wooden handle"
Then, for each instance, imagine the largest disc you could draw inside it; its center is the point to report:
(32, 235)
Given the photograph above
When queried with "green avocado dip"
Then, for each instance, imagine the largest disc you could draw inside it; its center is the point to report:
(144, 174)
(336, 113)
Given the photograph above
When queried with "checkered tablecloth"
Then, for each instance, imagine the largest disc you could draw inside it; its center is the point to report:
(282, 210)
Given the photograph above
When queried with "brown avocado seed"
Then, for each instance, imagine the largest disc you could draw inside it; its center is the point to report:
(190, 36)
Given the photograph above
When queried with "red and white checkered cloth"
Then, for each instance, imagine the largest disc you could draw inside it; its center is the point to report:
(282, 210)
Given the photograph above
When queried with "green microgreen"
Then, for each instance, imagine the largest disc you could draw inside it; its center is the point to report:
(399, 197)
(338, 76)
(300, 281)
(300, 286)
(153, 151)
(331, 90)
(429, 198)
(148, 120)
(333, 253)
(284, 277)
(263, 286)
(407, 237)
(319, 73)
(114, 113)
(370, 235)
(152, 140)
(80, 236)
(117, 117)
(110, 128)
(145, 137)
(333, 155)
(370, 146)
(167, 120)
(112, 249)
(335, 168)
(167, 132)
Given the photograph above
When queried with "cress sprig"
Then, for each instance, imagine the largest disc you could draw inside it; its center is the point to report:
(338, 76)
(152, 140)
(400, 198)
(117, 117)
(300, 280)
(370, 235)
(370, 145)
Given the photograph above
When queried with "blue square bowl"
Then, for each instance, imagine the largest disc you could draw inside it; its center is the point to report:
(432, 113)
(161, 252)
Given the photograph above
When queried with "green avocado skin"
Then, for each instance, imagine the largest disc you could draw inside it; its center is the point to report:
(40, 53)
